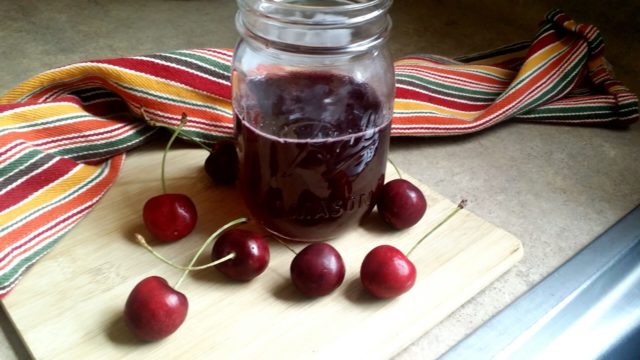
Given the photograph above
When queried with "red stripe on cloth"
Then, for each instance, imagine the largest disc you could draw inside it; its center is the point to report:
(548, 38)
(28, 244)
(88, 197)
(136, 100)
(461, 73)
(36, 181)
(102, 133)
(220, 54)
(173, 73)
(42, 94)
(519, 96)
(411, 94)
(8, 149)
(59, 132)
(195, 123)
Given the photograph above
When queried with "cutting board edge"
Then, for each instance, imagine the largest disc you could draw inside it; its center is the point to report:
(503, 233)
(482, 283)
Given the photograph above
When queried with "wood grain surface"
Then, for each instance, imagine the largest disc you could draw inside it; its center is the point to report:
(69, 305)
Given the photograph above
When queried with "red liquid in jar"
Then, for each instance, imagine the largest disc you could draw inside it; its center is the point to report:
(313, 153)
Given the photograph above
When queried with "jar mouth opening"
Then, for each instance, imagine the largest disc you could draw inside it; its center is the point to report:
(296, 12)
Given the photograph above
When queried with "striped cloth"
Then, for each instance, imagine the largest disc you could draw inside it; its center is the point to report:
(64, 133)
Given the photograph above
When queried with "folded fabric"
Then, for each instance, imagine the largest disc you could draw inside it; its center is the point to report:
(64, 133)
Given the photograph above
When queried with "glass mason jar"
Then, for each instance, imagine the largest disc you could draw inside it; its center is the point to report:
(313, 87)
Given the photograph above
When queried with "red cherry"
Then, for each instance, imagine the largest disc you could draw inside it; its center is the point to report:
(170, 217)
(222, 163)
(251, 254)
(386, 272)
(154, 310)
(401, 204)
(317, 270)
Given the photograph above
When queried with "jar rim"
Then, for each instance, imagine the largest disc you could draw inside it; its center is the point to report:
(377, 7)
(346, 7)
(314, 28)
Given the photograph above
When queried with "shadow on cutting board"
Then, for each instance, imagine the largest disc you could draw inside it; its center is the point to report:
(118, 332)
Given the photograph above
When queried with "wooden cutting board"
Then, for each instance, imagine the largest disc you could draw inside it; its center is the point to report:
(69, 305)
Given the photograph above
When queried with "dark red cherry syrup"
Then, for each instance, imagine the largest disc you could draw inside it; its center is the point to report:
(312, 151)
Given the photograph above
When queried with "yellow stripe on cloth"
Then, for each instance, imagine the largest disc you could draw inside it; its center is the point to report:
(486, 69)
(110, 73)
(53, 192)
(38, 112)
(549, 53)
(410, 105)
(500, 58)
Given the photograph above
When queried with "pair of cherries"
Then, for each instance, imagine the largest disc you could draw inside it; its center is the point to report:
(154, 309)
(385, 271)
(318, 270)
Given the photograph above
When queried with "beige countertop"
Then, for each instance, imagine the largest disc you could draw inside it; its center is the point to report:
(554, 187)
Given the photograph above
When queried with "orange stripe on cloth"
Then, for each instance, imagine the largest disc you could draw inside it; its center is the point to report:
(16, 235)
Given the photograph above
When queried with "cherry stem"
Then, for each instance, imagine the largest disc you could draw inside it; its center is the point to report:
(284, 244)
(198, 142)
(176, 131)
(141, 240)
(395, 168)
(186, 135)
(207, 242)
(460, 206)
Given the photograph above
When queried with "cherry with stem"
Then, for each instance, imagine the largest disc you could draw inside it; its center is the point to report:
(400, 203)
(142, 242)
(207, 242)
(237, 253)
(154, 309)
(386, 272)
(170, 216)
(252, 254)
